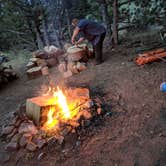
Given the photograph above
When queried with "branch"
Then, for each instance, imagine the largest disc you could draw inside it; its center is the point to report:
(125, 2)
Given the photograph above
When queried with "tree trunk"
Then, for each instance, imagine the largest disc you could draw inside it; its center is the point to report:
(115, 21)
(45, 34)
(68, 22)
(105, 17)
(38, 37)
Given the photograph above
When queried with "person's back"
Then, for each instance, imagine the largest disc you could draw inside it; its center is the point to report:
(93, 32)
(91, 27)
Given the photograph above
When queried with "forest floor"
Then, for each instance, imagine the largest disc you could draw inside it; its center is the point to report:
(134, 134)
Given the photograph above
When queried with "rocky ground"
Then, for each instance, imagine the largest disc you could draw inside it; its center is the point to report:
(132, 135)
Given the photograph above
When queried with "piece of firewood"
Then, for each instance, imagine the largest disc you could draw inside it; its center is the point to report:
(34, 72)
(37, 105)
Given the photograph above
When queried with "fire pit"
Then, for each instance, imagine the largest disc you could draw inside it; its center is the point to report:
(55, 114)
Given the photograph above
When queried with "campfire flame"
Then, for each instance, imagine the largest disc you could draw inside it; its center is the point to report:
(61, 100)
(62, 113)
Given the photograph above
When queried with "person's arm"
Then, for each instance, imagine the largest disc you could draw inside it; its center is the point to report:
(75, 33)
(80, 40)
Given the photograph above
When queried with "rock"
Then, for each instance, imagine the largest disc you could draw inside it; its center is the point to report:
(31, 146)
(25, 139)
(41, 143)
(54, 140)
(12, 134)
(67, 74)
(4, 157)
(52, 62)
(16, 138)
(81, 66)
(40, 156)
(62, 67)
(12, 146)
(27, 127)
(30, 65)
(14, 121)
(7, 130)
(45, 71)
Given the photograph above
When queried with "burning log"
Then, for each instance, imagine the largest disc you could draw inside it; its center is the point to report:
(35, 106)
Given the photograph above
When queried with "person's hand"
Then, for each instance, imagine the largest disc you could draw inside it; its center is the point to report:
(73, 41)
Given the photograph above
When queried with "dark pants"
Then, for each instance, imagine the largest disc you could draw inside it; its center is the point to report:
(98, 49)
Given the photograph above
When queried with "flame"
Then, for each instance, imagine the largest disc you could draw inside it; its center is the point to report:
(65, 109)
(61, 100)
(51, 122)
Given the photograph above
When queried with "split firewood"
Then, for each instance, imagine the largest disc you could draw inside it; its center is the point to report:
(37, 105)
(45, 71)
(30, 65)
(76, 53)
(34, 72)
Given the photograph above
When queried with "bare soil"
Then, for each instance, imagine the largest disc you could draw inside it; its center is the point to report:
(134, 134)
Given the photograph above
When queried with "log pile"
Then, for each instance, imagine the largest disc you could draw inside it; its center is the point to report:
(42, 60)
(76, 59)
(7, 74)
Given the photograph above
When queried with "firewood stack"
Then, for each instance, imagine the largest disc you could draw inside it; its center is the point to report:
(42, 60)
(77, 57)
(7, 74)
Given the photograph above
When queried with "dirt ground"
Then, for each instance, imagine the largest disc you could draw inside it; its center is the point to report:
(134, 134)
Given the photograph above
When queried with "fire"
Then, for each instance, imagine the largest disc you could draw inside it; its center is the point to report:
(61, 100)
(61, 113)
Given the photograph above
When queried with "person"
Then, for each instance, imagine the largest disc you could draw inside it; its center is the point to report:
(93, 32)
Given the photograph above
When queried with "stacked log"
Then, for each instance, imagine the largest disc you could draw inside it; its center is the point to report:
(42, 60)
(7, 74)
(77, 56)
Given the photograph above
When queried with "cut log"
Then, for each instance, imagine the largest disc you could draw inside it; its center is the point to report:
(45, 71)
(52, 62)
(41, 62)
(62, 67)
(40, 54)
(67, 74)
(34, 60)
(34, 72)
(35, 107)
(72, 67)
(30, 65)
(81, 66)
(76, 53)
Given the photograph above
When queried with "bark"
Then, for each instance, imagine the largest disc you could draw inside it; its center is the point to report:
(105, 17)
(45, 34)
(68, 22)
(38, 37)
(115, 22)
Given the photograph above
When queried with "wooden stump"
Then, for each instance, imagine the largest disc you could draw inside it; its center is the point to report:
(30, 65)
(75, 53)
(34, 72)
(35, 107)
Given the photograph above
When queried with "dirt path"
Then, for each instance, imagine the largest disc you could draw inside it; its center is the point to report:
(135, 133)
